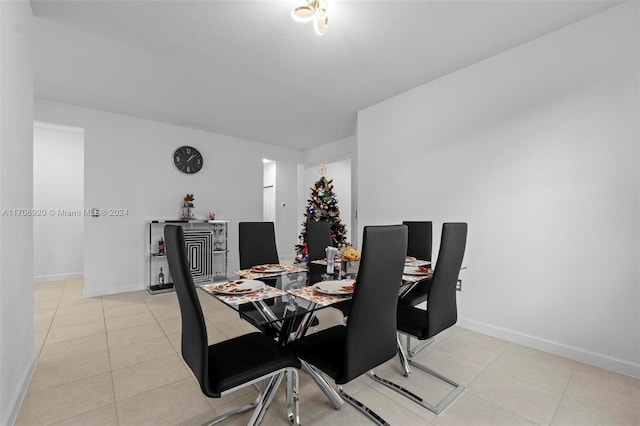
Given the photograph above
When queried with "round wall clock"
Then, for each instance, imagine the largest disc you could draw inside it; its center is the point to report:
(188, 160)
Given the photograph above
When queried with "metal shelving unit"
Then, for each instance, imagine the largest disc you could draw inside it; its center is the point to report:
(207, 249)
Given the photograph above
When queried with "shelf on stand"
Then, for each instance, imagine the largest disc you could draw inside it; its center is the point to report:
(161, 288)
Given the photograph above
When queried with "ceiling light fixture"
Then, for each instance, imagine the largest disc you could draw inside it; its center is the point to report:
(315, 10)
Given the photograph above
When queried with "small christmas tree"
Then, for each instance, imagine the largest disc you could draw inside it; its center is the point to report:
(323, 205)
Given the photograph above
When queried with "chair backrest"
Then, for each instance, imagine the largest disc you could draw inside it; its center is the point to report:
(318, 237)
(195, 347)
(442, 311)
(371, 328)
(420, 239)
(257, 243)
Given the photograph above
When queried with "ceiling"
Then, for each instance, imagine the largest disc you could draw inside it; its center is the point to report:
(246, 69)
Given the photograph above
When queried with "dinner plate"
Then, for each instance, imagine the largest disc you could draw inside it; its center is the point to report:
(416, 270)
(238, 287)
(340, 287)
(268, 269)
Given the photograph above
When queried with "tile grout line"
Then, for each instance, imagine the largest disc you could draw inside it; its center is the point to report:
(46, 337)
(564, 390)
(113, 387)
(502, 408)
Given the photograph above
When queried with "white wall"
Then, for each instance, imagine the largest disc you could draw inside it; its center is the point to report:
(537, 149)
(128, 166)
(58, 193)
(340, 173)
(17, 359)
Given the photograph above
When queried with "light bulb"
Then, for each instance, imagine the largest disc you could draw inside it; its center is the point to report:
(320, 24)
(303, 13)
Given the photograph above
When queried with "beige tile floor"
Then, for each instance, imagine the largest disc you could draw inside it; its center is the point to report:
(115, 360)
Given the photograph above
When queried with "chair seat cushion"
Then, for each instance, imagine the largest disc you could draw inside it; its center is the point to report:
(246, 358)
(417, 295)
(324, 350)
(413, 321)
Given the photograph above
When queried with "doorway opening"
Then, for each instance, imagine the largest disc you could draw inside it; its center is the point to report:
(269, 191)
(58, 197)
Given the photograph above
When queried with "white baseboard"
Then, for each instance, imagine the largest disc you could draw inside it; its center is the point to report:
(599, 360)
(18, 397)
(113, 290)
(58, 277)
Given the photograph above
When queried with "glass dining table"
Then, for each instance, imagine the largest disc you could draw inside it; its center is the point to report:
(285, 306)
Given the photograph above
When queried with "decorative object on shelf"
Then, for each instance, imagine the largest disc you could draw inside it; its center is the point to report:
(188, 160)
(161, 246)
(331, 252)
(187, 206)
(161, 277)
(212, 216)
(323, 205)
(315, 10)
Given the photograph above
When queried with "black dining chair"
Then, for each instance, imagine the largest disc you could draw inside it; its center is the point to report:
(318, 237)
(369, 338)
(257, 244)
(224, 367)
(420, 239)
(419, 246)
(442, 311)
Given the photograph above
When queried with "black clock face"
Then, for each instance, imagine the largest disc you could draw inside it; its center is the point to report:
(188, 159)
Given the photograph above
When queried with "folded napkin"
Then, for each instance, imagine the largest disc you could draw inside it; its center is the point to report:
(231, 299)
(321, 299)
(251, 275)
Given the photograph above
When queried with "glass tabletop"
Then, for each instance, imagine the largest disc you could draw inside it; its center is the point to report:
(284, 296)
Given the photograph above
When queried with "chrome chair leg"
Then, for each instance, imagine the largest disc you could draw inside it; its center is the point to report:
(230, 414)
(325, 387)
(362, 408)
(437, 408)
(449, 398)
(420, 347)
(403, 358)
(396, 387)
(292, 397)
(267, 396)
